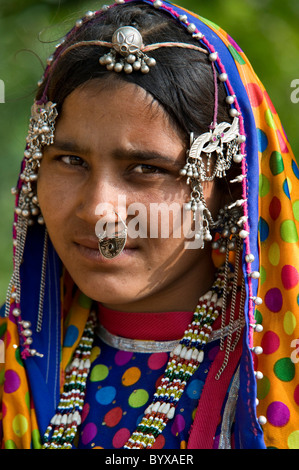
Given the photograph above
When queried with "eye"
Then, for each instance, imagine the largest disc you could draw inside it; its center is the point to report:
(72, 160)
(146, 169)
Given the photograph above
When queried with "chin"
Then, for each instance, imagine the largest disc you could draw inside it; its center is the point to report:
(108, 293)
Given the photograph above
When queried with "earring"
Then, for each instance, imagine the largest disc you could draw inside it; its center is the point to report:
(200, 210)
(112, 246)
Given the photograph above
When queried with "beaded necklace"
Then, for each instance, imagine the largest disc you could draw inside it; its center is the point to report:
(183, 362)
(64, 425)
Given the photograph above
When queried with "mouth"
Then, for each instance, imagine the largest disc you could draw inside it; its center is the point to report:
(88, 248)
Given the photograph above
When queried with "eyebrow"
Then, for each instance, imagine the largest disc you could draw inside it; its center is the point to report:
(119, 154)
(70, 146)
(145, 156)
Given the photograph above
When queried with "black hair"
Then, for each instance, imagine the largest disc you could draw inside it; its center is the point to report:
(182, 80)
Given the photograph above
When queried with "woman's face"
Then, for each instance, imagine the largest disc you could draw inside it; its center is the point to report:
(115, 147)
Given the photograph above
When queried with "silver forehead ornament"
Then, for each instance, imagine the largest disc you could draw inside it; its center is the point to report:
(128, 43)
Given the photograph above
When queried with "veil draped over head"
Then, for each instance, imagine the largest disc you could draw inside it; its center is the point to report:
(271, 189)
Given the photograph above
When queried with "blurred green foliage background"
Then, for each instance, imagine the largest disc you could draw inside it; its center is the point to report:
(267, 30)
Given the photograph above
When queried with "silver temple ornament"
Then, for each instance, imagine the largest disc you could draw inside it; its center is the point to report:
(41, 133)
(213, 141)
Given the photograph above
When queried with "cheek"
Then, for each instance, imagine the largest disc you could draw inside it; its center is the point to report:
(52, 196)
(159, 214)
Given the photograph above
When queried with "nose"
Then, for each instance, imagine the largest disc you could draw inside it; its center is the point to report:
(102, 198)
(111, 226)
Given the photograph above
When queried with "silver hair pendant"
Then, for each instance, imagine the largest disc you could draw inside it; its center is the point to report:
(112, 246)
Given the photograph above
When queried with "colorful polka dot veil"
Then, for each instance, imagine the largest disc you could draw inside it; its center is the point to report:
(271, 191)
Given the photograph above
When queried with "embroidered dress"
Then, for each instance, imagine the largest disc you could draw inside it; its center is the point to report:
(121, 383)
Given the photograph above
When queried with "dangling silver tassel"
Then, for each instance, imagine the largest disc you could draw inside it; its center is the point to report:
(229, 346)
(225, 295)
(14, 289)
(42, 284)
(15, 283)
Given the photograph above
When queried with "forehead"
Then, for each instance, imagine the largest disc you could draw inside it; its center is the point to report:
(123, 113)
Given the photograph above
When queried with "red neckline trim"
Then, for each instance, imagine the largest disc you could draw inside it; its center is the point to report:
(164, 326)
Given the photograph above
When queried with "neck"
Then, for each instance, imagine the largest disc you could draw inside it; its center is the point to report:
(177, 296)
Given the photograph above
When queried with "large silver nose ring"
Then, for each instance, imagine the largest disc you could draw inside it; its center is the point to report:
(112, 242)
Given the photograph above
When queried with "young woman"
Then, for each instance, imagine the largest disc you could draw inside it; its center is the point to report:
(154, 292)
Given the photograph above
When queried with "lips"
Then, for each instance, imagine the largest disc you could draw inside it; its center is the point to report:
(92, 243)
(88, 247)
